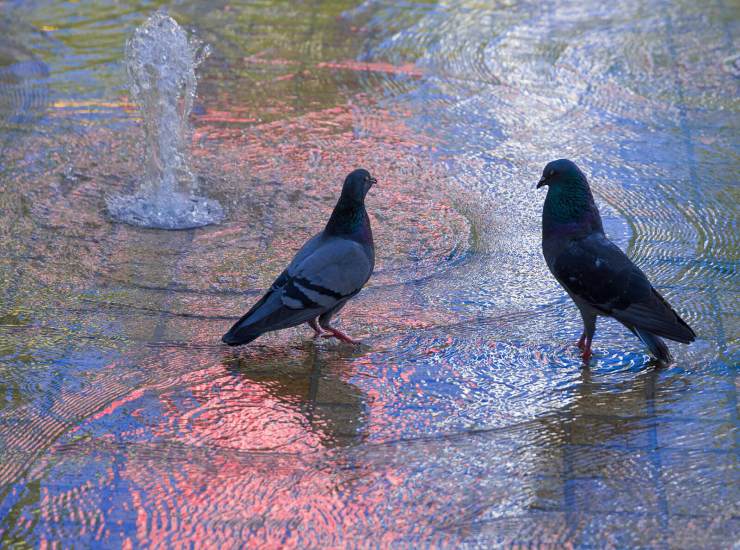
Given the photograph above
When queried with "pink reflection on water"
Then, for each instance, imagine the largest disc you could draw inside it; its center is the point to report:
(408, 69)
(248, 467)
(378, 67)
(259, 480)
(237, 413)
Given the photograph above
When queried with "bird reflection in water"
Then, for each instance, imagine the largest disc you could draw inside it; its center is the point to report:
(333, 409)
(597, 453)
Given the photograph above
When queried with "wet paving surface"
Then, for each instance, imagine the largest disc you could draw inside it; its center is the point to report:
(466, 418)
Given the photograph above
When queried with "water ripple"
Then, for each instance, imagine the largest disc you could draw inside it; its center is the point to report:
(123, 420)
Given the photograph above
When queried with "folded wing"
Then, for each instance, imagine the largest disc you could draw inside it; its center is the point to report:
(596, 271)
(324, 273)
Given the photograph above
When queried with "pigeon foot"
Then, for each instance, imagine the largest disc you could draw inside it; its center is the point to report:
(582, 341)
(318, 332)
(336, 333)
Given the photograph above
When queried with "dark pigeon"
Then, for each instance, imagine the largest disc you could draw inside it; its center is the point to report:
(327, 271)
(597, 275)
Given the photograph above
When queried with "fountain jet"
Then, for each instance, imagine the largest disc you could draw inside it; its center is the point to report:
(160, 63)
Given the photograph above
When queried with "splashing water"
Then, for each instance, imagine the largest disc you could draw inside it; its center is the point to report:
(160, 62)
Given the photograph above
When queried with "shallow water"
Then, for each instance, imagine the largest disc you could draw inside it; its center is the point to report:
(466, 417)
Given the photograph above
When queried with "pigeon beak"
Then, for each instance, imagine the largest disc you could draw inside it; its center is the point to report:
(373, 181)
(543, 181)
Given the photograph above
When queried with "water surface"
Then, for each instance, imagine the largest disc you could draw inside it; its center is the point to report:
(466, 418)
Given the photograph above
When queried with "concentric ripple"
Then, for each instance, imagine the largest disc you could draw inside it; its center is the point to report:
(24, 89)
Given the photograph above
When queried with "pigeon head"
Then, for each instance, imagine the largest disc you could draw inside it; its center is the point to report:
(569, 204)
(349, 215)
(356, 185)
(562, 172)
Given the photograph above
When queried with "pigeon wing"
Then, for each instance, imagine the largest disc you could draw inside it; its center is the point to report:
(324, 273)
(333, 273)
(596, 271)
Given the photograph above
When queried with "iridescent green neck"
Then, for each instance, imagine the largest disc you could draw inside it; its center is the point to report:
(570, 208)
(349, 217)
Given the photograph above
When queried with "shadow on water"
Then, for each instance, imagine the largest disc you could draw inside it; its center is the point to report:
(332, 407)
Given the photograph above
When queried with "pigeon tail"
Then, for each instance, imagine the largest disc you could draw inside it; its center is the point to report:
(238, 338)
(265, 316)
(655, 344)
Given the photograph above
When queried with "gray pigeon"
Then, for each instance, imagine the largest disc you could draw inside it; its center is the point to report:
(327, 271)
(597, 275)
